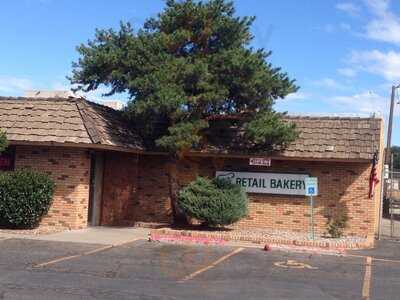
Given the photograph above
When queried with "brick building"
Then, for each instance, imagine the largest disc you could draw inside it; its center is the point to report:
(105, 176)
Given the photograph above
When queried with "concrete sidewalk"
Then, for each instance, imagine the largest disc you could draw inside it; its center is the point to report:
(92, 235)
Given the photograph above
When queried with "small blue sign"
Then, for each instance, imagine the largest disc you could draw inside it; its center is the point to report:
(311, 186)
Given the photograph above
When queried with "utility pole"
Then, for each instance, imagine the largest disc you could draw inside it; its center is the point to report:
(388, 161)
(388, 156)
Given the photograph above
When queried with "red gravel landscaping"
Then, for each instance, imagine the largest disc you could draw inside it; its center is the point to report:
(258, 236)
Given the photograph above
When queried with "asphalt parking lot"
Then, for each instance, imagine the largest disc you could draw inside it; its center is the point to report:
(31, 269)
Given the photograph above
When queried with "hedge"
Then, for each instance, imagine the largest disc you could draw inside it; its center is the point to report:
(25, 197)
(214, 202)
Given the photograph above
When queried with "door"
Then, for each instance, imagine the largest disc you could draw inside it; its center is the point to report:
(96, 188)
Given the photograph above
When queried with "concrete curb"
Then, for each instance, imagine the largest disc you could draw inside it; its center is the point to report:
(313, 250)
(219, 238)
(185, 239)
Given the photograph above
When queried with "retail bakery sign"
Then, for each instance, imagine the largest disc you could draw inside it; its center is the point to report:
(267, 183)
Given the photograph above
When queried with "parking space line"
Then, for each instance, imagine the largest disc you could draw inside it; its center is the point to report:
(97, 250)
(373, 258)
(367, 278)
(210, 266)
(128, 242)
(57, 260)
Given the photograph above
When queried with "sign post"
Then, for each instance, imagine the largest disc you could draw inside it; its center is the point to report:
(311, 191)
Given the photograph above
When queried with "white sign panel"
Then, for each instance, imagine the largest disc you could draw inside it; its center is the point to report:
(260, 161)
(386, 172)
(311, 186)
(267, 183)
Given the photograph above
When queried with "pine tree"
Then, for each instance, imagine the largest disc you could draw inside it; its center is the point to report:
(191, 64)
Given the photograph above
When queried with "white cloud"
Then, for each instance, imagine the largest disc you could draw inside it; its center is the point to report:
(348, 72)
(349, 8)
(95, 96)
(385, 25)
(378, 7)
(12, 85)
(297, 96)
(329, 83)
(385, 64)
(364, 102)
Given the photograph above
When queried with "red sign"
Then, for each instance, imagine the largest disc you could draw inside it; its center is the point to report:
(260, 161)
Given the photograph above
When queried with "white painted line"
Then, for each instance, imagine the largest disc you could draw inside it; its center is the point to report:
(128, 242)
(64, 258)
(97, 250)
(212, 265)
(367, 279)
(293, 264)
(373, 258)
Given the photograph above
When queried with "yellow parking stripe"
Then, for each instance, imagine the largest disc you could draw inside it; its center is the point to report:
(97, 250)
(57, 260)
(367, 278)
(212, 265)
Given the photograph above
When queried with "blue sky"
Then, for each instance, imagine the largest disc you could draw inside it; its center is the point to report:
(345, 55)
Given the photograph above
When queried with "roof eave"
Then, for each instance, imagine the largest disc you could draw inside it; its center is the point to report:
(77, 145)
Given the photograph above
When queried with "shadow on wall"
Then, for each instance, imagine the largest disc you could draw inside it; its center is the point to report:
(337, 220)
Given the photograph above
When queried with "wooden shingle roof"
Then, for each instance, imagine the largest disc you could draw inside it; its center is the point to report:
(67, 121)
(340, 138)
(77, 121)
(336, 137)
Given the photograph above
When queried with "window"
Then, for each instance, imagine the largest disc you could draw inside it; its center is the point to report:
(7, 159)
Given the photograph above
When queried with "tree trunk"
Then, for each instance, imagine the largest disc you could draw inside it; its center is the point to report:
(178, 217)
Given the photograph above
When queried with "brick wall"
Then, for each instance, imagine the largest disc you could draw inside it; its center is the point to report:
(153, 202)
(343, 189)
(135, 189)
(69, 168)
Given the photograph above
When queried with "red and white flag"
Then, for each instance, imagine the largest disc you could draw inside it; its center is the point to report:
(373, 178)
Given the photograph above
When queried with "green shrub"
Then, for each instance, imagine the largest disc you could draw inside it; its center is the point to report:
(214, 202)
(336, 225)
(25, 197)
